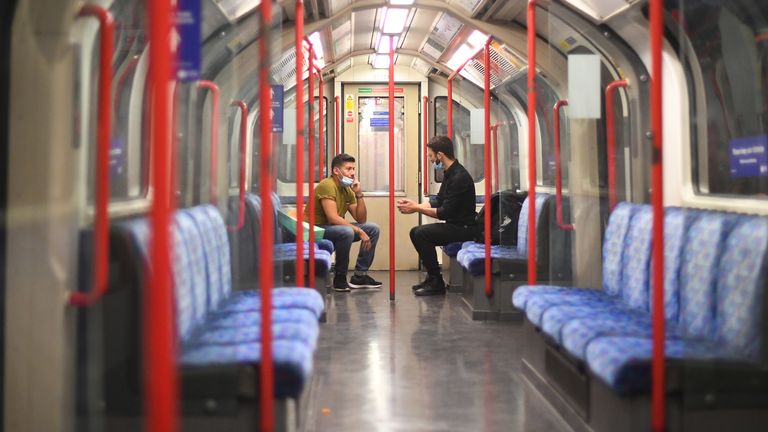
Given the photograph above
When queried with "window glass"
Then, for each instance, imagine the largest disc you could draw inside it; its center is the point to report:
(469, 155)
(287, 151)
(726, 47)
(373, 142)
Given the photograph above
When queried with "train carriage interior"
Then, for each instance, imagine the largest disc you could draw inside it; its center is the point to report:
(214, 215)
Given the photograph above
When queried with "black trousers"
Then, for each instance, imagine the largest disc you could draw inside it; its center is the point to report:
(426, 237)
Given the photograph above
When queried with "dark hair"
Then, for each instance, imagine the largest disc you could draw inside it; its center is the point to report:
(442, 143)
(341, 159)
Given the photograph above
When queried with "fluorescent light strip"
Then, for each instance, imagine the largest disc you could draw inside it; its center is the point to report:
(394, 21)
(383, 47)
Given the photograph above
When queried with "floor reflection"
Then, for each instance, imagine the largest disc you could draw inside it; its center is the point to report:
(420, 364)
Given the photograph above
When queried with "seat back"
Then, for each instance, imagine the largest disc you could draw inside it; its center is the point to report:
(741, 283)
(677, 222)
(542, 229)
(613, 244)
(636, 256)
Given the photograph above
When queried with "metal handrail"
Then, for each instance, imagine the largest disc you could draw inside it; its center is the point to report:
(299, 142)
(610, 127)
(214, 89)
(487, 163)
(558, 168)
(241, 181)
(391, 169)
(531, 142)
(450, 87)
(338, 125)
(104, 130)
(424, 105)
(311, 170)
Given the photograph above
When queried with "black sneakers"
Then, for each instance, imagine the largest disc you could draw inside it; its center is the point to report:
(433, 285)
(340, 283)
(364, 281)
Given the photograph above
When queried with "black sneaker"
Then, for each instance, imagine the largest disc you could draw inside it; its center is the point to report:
(421, 284)
(364, 281)
(433, 286)
(340, 283)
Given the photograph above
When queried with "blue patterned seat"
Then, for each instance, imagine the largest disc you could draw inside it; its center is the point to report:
(472, 254)
(226, 319)
(303, 332)
(452, 249)
(282, 298)
(722, 281)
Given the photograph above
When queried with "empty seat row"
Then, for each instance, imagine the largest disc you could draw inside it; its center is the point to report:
(714, 283)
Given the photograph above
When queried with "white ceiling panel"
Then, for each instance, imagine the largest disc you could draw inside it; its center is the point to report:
(445, 29)
(362, 26)
(337, 5)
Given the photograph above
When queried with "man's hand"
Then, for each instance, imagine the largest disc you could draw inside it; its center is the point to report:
(365, 241)
(356, 188)
(406, 206)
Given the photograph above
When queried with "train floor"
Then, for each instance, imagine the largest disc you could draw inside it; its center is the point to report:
(419, 364)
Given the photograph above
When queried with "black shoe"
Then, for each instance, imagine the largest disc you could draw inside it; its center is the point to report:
(421, 284)
(364, 281)
(432, 286)
(340, 283)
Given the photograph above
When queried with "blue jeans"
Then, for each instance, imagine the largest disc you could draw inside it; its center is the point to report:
(343, 236)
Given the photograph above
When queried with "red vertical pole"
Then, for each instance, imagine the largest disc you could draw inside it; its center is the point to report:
(266, 277)
(495, 143)
(425, 166)
(321, 166)
(610, 123)
(321, 105)
(104, 132)
(391, 169)
(487, 163)
(531, 142)
(299, 142)
(214, 136)
(241, 180)
(311, 164)
(558, 168)
(450, 107)
(337, 135)
(658, 414)
(160, 379)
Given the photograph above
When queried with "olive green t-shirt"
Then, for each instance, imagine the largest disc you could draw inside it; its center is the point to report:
(329, 189)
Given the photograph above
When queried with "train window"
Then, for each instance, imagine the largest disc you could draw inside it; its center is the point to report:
(471, 156)
(727, 52)
(373, 143)
(129, 153)
(286, 171)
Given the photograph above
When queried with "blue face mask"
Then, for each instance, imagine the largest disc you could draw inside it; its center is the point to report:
(346, 181)
(438, 165)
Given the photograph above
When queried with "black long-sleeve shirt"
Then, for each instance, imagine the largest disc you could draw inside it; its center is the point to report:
(455, 202)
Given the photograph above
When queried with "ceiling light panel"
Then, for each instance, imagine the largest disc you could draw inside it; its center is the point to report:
(401, 2)
(383, 47)
(477, 38)
(380, 61)
(460, 56)
(394, 21)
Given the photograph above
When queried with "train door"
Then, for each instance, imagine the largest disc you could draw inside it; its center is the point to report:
(366, 137)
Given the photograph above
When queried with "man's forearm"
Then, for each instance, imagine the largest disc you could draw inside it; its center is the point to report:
(427, 210)
(361, 213)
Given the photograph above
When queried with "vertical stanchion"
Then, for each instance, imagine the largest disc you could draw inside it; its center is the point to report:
(337, 135)
(299, 142)
(241, 179)
(487, 163)
(558, 168)
(391, 169)
(531, 142)
(160, 374)
(610, 131)
(495, 143)
(321, 129)
(450, 107)
(311, 164)
(424, 165)
(658, 420)
(266, 277)
(213, 185)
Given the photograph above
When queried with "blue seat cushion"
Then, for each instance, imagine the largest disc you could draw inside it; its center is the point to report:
(305, 333)
(287, 252)
(523, 293)
(473, 258)
(537, 305)
(624, 363)
(555, 317)
(292, 362)
(282, 298)
(452, 249)
(253, 317)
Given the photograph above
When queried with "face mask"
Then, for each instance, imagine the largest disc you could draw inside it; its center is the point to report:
(346, 181)
(438, 165)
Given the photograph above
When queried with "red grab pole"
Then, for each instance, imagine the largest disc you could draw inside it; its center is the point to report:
(214, 89)
(611, 132)
(531, 142)
(424, 105)
(338, 123)
(450, 109)
(487, 163)
(321, 165)
(391, 169)
(311, 163)
(104, 130)
(266, 372)
(241, 180)
(299, 142)
(159, 330)
(558, 168)
(658, 414)
(495, 143)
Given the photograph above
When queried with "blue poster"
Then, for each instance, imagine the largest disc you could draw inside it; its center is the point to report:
(379, 121)
(188, 25)
(276, 113)
(749, 157)
(117, 159)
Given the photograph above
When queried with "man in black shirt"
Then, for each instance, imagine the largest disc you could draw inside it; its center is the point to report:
(455, 204)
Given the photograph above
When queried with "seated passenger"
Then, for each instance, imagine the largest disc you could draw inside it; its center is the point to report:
(334, 196)
(455, 204)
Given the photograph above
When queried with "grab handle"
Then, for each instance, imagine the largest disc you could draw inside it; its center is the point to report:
(243, 138)
(558, 169)
(214, 89)
(611, 133)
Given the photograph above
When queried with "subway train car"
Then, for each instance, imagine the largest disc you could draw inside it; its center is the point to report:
(384, 215)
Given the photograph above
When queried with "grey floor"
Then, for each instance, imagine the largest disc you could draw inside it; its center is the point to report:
(419, 364)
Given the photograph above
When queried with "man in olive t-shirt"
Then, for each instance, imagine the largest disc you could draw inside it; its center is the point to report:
(334, 197)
